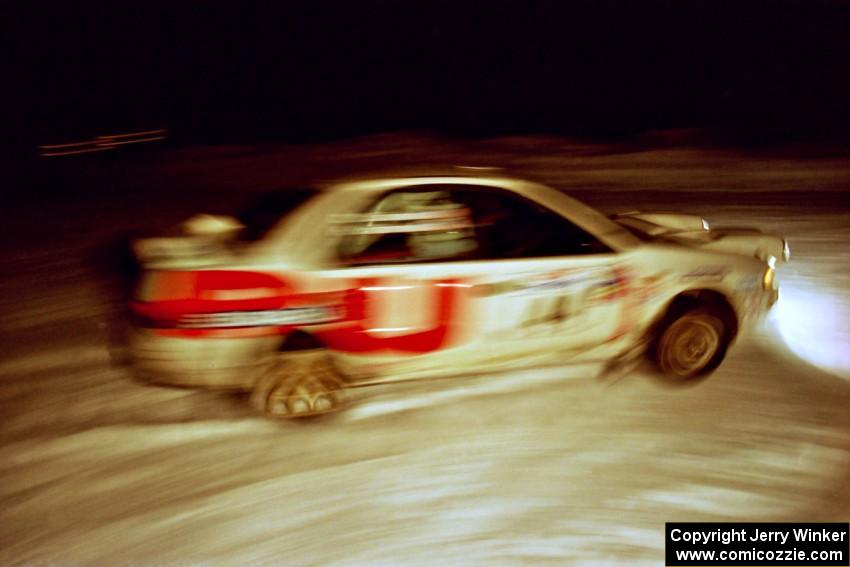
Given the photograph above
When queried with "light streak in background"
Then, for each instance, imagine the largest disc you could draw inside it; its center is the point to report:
(815, 325)
(125, 142)
(133, 134)
(81, 151)
(61, 146)
(102, 143)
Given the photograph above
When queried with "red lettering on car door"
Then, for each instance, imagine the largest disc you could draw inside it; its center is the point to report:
(358, 336)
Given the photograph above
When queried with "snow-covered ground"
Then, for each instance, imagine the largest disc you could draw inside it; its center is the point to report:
(546, 466)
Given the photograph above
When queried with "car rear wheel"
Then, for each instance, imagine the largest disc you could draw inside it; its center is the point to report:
(299, 384)
(692, 345)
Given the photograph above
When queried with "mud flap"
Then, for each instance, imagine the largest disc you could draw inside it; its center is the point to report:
(624, 363)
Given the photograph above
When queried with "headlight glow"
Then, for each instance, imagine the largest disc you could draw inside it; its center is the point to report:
(814, 322)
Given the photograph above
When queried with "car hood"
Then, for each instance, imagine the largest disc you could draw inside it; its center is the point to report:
(694, 231)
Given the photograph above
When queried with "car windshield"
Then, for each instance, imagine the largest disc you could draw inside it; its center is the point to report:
(263, 213)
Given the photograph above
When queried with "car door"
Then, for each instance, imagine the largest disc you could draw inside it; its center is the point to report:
(547, 287)
(463, 277)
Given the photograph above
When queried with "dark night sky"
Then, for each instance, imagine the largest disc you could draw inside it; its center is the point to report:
(295, 70)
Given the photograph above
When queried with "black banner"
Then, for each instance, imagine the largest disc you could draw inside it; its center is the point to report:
(762, 544)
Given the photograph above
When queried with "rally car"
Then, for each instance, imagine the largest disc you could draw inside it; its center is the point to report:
(372, 281)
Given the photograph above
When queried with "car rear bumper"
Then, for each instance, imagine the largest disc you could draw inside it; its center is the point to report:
(226, 364)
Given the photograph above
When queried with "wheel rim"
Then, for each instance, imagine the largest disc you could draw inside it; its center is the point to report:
(690, 346)
(323, 403)
(299, 405)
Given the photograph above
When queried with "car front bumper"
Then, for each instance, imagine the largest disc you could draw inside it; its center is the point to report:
(773, 298)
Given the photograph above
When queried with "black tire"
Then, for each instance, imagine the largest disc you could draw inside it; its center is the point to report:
(299, 384)
(691, 345)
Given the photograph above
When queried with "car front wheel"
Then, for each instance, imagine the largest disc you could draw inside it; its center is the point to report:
(692, 345)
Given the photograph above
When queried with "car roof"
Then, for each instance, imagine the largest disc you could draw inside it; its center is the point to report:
(416, 175)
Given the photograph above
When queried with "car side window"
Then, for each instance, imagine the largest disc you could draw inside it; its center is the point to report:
(511, 226)
(405, 226)
(457, 222)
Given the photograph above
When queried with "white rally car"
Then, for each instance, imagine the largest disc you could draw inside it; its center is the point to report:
(381, 280)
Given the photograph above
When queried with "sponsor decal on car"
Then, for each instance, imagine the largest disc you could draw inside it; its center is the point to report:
(615, 284)
(534, 283)
(648, 287)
